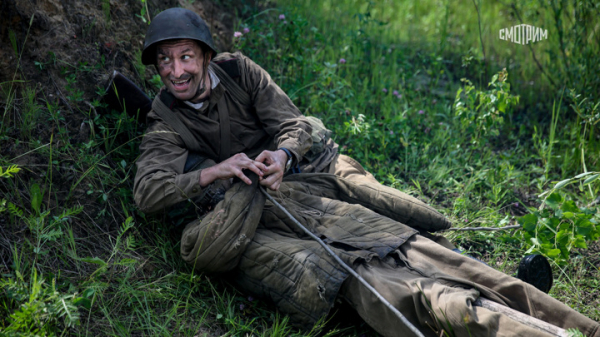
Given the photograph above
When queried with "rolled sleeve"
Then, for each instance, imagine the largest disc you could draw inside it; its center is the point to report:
(189, 184)
(281, 119)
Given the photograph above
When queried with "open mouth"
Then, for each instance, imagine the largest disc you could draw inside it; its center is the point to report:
(181, 84)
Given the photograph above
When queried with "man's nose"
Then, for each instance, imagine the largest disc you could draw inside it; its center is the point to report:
(178, 70)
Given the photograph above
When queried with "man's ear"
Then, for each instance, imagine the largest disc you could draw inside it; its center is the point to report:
(207, 59)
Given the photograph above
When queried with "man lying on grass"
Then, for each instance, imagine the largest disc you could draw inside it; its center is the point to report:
(221, 116)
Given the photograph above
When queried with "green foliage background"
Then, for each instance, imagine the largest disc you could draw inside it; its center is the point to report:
(424, 94)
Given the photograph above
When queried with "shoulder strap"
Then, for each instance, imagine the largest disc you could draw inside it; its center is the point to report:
(240, 94)
(175, 122)
(225, 127)
(231, 67)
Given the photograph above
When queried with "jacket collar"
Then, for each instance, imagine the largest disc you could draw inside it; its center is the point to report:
(173, 103)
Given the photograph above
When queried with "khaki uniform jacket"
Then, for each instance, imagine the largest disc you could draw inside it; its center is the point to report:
(272, 122)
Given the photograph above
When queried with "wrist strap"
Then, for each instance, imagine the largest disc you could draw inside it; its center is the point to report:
(289, 154)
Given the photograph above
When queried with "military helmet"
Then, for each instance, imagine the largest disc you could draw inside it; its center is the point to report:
(175, 23)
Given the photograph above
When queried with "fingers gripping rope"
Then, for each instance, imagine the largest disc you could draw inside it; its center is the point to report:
(345, 266)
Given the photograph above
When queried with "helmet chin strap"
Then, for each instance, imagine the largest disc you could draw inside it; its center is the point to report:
(202, 87)
(201, 90)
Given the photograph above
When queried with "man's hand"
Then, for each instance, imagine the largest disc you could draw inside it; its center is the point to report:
(232, 167)
(275, 161)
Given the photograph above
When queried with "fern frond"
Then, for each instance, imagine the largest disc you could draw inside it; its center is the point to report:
(9, 171)
(65, 308)
(130, 242)
(14, 210)
(52, 235)
(64, 216)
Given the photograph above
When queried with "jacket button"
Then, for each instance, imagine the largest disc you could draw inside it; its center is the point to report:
(194, 190)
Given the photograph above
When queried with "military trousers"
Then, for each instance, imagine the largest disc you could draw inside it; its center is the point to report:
(434, 288)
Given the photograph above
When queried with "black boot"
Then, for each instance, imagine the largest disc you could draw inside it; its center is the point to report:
(535, 270)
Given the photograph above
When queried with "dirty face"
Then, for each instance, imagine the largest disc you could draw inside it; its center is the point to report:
(181, 66)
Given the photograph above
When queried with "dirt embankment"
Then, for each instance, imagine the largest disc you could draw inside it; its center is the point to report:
(56, 36)
(62, 53)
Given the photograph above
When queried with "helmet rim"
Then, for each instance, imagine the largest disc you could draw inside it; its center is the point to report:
(175, 24)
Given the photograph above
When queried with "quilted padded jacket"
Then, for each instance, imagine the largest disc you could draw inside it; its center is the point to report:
(271, 257)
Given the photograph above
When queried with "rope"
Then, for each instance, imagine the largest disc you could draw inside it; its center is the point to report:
(481, 302)
(345, 266)
(489, 229)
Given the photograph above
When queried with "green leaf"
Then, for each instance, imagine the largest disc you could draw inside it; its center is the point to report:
(587, 211)
(127, 262)
(88, 293)
(591, 179)
(569, 206)
(13, 40)
(553, 253)
(595, 234)
(36, 197)
(83, 302)
(528, 221)
(568, 215)
(580, 242)
(14, 210)
(545, 213)
(584, 227)
(573, 332)
(558, 213)
(562, 183)
(563, 237)
(551, 223)
(494, 79)
(564, 226)
(553, 201)
(64, 307)
(535, 242)
(502, 106)
(584, 222)
(581, 175)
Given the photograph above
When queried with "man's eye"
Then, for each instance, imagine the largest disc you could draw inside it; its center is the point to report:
(165, 59)
(185, 57)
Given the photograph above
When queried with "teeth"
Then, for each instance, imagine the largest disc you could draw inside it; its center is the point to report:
(181, 82)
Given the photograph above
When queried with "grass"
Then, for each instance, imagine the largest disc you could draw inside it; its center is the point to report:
(78, 258)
